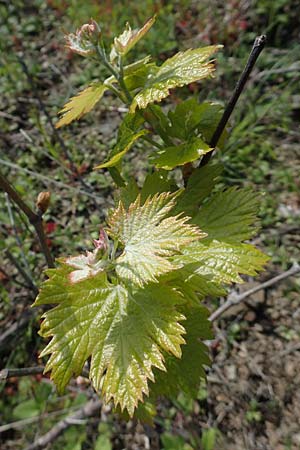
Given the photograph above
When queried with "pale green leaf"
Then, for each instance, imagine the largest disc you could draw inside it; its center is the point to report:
(181, 154)
(149, 238)
(183, 68)
(125, 333)
(229, 215)
(124, 43)
(116, 158)
(223, 262)
(199, 186)
(192, 285)
(81, 104)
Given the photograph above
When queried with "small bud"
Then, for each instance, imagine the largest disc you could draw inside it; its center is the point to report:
(42, 201)
(102, 242)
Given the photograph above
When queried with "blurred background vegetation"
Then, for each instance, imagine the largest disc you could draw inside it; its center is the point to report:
(37, 76)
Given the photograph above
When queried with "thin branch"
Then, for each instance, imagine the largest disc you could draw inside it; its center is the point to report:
(28, 280)
(23, 372)
(88, 410)
(35, 219)
(257, 48)
(23, 422)
(14, 227)
(235, 299)
(26, 371)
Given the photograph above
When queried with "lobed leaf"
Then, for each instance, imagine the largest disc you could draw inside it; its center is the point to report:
(81, 104)
(223, 262)
(229, 215)
(149, 238)
(183, 68)
(124, 331)
(199, 186)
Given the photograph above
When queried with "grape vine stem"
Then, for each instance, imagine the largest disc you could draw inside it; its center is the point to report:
(257, 48)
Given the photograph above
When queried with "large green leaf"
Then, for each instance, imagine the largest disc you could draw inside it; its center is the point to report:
(222, 262)
(189, 151)
(199, 186)
(183, 68)
(149, 238)
(192, 285)
(124, 331)
(185, 374)
(81, 104)
(229, 215)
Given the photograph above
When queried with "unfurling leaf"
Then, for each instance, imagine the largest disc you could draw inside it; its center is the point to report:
(123, 330)
(149, 238)
(124, 43)
(85, 39)
(181, 69)
(81, 104)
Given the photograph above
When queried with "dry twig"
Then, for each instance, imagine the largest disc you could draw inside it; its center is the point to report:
(88, 410)
(235, 299)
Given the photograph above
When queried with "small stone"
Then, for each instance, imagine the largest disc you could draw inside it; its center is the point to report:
(230, 372)
(289, 369)
(250, 316)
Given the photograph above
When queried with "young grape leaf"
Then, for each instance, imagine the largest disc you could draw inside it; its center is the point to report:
(149, 238)
(124, 331)
(81, 104)
(222, 262)
(183, 68)
(229, 215)
(181, 154)
(135, 74)
(124, 43)
(199, 186)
